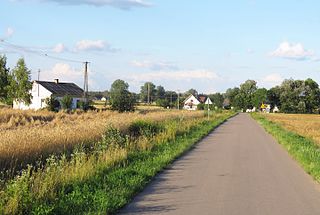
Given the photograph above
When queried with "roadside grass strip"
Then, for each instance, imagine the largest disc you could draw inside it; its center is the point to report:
(103, 185)
(302, 149)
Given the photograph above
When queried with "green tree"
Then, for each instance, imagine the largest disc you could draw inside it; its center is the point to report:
(247, 90)
(52, 103)
(311, 95)
(191, 91)
(20, 85)
(217, 99)
(150, 88)
(121, 99)
(259, 97)
(231, 95)
(160, 92)
(66, 102)
(4, 80)
(273, 96)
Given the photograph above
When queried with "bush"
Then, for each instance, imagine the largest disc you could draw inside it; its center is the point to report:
(144, 128)
(66, 102)
(52, 103)
(113, 138)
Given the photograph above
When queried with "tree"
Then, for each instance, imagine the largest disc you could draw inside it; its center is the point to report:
(121, 99)
(52, 103)
(191, 91)
(247, 90)
(273, 96)
(20, 85)
(311, 95)
(231, 95)
(4, 80)
(160, 92)
(259, 97)
(66, 102)
(148, 90)
(217, 99)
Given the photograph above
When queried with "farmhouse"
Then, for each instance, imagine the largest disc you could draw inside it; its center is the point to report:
(41, 90)
(191, 102)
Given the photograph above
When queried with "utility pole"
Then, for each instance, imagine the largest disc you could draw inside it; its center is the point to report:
(38, 82)
(178, 100)
(86, 82)
(148, 93)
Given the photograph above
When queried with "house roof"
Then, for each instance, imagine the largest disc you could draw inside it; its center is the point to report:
(62, 89)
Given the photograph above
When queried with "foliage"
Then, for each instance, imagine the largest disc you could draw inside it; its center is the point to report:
(52, 103)
(259, 97)
(144, 128)
(66, 102)
(121, 99)
(191, 91)
(217, 99)
(4, 80)
(20, 85)
(150, 88)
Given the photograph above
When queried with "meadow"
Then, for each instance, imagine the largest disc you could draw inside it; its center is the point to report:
(125, 152)
(307, 125)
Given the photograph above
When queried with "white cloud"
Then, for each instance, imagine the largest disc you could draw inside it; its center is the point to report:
(59, 48)
(96, 45)
(9, 32)
(292, 51)
(272, 80)
(154, 65)
(122, 4)
(63, 72)
(186, 75)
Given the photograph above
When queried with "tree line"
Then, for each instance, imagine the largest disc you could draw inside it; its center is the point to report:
(292, 96)
(14, 83)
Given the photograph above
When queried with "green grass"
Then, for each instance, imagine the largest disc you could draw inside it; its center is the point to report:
(302, 149)
(98, 187)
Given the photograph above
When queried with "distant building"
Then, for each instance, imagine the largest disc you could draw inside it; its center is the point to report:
(191, 102)
(41, 90)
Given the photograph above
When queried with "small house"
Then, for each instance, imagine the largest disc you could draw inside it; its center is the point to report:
(191, 103)
(41, 90)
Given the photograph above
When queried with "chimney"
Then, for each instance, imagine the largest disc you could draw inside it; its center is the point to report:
(56, 81)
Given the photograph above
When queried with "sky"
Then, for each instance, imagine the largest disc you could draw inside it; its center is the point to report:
(207, 45)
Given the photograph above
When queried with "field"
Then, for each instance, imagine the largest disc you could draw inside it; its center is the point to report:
(28, 135)
(89, 163)
(306, 125)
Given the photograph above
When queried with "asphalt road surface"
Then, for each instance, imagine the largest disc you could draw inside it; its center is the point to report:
(238, 169)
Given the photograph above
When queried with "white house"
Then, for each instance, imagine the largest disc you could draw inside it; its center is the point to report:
(191, 103)
(41, 90)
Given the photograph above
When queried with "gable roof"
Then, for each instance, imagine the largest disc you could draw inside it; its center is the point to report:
(62, 89)
(191, 96)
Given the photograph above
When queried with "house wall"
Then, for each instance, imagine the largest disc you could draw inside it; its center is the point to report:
(194, 101)
(39, 95)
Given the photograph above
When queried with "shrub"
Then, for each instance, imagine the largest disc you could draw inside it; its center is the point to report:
(144, 128)
(66, 102)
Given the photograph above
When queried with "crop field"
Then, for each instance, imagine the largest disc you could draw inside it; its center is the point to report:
(307, 125)
(27, 136)
(89, 163)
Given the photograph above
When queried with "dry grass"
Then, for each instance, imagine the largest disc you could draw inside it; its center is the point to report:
(28, 135)
(307, 125)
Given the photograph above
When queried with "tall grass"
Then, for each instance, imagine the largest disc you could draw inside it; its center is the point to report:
(303, 149)
(106, 178)
(27, 136)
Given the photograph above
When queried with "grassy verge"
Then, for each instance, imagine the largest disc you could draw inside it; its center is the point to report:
(109, 176)
(302, 149)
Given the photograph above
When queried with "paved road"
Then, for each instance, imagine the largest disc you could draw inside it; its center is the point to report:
(238, 169)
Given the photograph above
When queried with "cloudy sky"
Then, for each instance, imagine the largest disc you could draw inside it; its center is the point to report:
(207, 45)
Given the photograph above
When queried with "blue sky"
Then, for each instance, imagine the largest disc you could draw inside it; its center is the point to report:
(179, 44)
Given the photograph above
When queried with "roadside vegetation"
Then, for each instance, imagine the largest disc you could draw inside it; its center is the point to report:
(130, 151)
(27, 136)
(301, 144)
